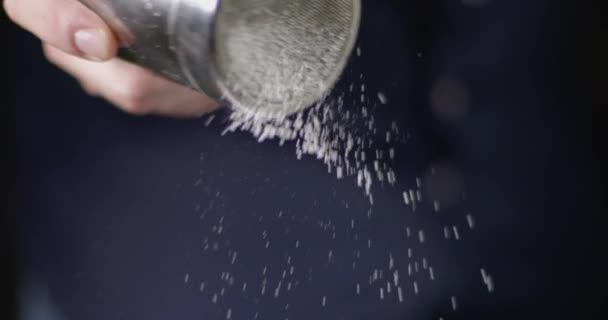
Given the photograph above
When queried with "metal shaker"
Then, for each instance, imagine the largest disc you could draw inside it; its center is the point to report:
(179, 39)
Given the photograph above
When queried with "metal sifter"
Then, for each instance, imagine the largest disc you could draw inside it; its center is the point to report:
(273, 57)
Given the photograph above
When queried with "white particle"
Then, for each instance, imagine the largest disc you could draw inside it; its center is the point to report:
(277, 290)
(454, 304)
(421, 236)
(400, 294)
(470, 221)
(186, 278)
(487, 280)
(323, 301)
(415, 287)
(358, 289)
(234, 254)
(382, 98)
(406, 198)
(456, 234)
(209, 120)
(381, 293)
(229, 314)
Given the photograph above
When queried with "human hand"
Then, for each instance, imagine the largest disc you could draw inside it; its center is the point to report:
(79, 42)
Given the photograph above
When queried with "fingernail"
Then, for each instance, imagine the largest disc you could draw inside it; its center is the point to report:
(91, 43)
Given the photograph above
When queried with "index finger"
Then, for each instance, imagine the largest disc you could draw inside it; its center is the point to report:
(65, 24)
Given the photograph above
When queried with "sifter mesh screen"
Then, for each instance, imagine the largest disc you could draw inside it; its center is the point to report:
(276, 57)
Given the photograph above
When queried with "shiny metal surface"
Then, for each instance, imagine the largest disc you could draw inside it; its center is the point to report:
(176, 38)
(170, 37)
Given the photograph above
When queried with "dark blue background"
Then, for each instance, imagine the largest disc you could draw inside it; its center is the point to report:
(112, 211)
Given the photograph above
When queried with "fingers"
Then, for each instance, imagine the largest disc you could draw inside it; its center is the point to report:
(65, 24)
(132, 88)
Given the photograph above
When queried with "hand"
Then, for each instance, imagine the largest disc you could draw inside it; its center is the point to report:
(79, 42)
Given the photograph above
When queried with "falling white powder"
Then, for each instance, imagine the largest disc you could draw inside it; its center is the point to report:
(330, 133)
(342, 132)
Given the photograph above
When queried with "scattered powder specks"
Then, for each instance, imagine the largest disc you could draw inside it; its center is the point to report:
(341, 131)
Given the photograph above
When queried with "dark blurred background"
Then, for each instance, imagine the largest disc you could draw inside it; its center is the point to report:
(99, 213)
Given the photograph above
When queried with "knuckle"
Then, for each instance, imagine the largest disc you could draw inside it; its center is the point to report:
(134, 95)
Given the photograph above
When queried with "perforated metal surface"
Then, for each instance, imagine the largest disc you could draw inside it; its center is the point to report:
(276, 57)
